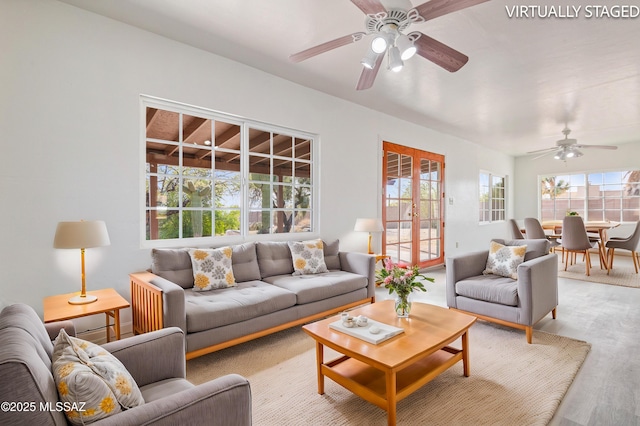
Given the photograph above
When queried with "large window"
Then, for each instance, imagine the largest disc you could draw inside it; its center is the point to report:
(596, 196)
(492, 198)
(208, 175)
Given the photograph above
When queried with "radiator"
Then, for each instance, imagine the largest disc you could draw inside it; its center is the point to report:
(146, 304)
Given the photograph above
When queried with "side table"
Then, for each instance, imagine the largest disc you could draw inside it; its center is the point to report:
(57, 308)
(381, 257)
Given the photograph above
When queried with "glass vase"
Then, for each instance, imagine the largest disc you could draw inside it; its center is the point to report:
(403, 305)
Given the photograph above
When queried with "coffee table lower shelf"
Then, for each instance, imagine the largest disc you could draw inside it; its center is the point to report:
(370, 384)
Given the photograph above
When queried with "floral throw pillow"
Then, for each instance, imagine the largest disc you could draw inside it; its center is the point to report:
(212, 268)
(308, 257)
(504, 260)
(91, 382)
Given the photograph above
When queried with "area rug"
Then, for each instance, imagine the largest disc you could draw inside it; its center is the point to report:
(511, 382)
(623, 273)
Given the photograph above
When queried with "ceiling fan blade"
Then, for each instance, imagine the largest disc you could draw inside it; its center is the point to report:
(325, 47)
(435, 8)
(440, 54)
(370, 7)
(368, 76)
(543, 155)
(597, 146)
(542, 150)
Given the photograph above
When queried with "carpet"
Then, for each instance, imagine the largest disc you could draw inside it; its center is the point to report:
(511, 382)
(623, 273)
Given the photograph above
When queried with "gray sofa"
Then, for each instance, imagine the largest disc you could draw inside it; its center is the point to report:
(266, 299)
(517, 303)
(26, 378)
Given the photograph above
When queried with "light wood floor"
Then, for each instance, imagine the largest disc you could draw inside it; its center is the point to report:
(606, 390)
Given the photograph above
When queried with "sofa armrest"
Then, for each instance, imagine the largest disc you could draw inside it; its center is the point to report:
(538, 287)
(173, 310)
(461, 267)
(53, 328)
(173, 303)
(361, 264)
(225, 401)
(153, 356)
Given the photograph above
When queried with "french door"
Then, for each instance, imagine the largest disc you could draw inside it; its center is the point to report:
(413, 205)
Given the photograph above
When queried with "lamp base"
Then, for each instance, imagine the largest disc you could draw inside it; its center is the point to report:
(79, 300)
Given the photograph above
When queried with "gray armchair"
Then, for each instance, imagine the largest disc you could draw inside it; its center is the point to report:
(156, 361)
(517, 303)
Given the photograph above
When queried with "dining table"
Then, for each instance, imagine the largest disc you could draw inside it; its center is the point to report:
(599, 226)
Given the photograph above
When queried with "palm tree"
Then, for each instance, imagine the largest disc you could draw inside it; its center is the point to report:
(550, 187)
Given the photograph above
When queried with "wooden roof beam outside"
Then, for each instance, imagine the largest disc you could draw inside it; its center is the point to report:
(193, 127)
(226, 137)
(152, 115)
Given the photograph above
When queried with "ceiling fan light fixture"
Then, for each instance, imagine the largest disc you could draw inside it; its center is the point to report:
(561, 155)
(406, 46)
(380, 42)
(395, 61)
(369, 60)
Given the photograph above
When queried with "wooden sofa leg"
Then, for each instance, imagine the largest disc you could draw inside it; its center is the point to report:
(553, 313)
(529, 331)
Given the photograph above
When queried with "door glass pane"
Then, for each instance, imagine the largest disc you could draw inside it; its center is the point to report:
(411, 233)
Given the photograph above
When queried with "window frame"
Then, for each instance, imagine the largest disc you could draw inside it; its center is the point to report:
(491, 211)
(147, 101)
(602, 195)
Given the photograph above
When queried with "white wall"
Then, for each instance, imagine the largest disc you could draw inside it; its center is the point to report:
(528, 172)
(70, 84)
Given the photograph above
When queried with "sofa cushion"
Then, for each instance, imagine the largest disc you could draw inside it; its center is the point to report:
(245, 262)
(247, 300)
(308, 257)
(311, 288)
(274, 258)
(173, 265)
(212, 268)
(87, 373)
(504, 260)
(331, 254)
(489, 288)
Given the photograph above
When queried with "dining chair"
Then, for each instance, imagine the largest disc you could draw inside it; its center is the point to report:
(630, 243)
(516, 234)
(534, 230)
(575, 240)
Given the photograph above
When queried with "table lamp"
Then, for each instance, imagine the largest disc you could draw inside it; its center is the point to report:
(369, 225)
(81, 235)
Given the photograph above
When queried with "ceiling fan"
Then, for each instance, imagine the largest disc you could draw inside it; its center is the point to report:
(567, 148)
(387, 26)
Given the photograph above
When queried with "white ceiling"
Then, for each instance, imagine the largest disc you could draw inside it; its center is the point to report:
(525, 79)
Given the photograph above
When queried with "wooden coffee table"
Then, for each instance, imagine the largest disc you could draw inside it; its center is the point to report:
(385, 373)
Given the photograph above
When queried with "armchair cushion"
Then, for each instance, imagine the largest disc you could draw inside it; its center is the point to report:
(489, 288)
(504, 260)
(535, 248)
(85, 372)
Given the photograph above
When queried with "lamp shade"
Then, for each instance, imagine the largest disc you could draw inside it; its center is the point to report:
(368, 225)
(82, 234)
